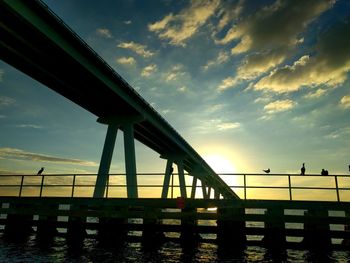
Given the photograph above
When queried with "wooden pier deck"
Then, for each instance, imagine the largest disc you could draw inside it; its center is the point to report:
(232, 222)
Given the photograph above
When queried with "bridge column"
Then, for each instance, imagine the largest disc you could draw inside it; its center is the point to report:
(204, 190)
(107, 154)
(194, 187)
(130, 160)
(180, 168)
(167, 176)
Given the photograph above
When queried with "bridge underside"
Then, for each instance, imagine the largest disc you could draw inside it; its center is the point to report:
(38, 43)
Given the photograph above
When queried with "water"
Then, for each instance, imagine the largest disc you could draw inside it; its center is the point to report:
(90, 250)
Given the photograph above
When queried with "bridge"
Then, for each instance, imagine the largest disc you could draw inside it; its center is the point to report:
(38, 43)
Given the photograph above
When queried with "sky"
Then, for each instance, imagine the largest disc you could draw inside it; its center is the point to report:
(250, 85)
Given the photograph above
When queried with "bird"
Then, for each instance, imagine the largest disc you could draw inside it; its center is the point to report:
(267, 171)
(302, 169)
(40, 171)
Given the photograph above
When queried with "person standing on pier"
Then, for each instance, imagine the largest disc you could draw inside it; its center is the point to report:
(302, 169)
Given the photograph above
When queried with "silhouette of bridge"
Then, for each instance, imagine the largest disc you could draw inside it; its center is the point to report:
(38, 43)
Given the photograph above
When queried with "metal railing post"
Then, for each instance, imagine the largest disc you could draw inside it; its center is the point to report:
(42, 184)
(172, 185)
(21, 186)
(290, 188)
(73, 186)
(245, 186)
(336, 187)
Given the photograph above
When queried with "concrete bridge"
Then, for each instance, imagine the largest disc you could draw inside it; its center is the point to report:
(38, 43)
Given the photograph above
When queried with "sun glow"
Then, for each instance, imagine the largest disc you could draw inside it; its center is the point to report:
(219, 164)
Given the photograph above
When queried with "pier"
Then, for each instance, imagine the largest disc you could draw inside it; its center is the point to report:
(269, 223)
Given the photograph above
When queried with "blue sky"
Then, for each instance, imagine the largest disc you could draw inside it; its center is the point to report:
(249, 84)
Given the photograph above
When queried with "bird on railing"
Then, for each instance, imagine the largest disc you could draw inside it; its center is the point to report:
(41, 170)
(302, 169)
(267, 171)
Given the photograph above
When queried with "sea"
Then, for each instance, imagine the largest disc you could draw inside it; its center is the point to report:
(91, 250)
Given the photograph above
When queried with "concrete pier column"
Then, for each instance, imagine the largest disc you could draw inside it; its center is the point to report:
(111, 229)
(317, 230)
(167, 176)
(76, 227)
(194, 187)
(275, 235)
(130, 160)
(181, 171)
(231, 227)
(151, 222)
(46, 228)
(107, 154)
(189, 232)
(18, 226)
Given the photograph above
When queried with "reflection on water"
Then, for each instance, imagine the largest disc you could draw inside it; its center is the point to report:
(90, 250)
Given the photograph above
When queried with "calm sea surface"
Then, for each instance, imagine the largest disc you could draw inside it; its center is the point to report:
(92, 251)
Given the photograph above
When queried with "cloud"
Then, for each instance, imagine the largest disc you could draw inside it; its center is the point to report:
(342, 132)
(329, 66)
(128, 22)
(180, 27)
(228, 126)
(182, 89)
(270, 34)
(32, 126)
(345, 102)
(174, 73)
(315, 94)
(2, 72)
(260, 62)
(137, 48)
(227, 83)
(149, 70)
(223, 56)
(278, 25)
(279, 106)
(215, 108)
(104, 32)
(6, 101)
(17, 154)
(128, 61)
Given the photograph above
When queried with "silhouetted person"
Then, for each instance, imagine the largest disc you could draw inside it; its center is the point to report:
(324, 172)
(267, 171)
(302, 169)
(171, 170)
(41, 170)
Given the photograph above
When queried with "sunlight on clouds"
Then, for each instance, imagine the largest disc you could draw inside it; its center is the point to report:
(137, 48)
(182, 89)
(18, 154)
(221, 59)
(279, 106)
(345, 102)
(330, 65)
(227, 83)
(258, 63)
(129, 61)
(228, 126)
(178, 28)
(316, 94)
(149, 70)
(104, 32)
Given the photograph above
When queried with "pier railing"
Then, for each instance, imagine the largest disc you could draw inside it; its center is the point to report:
(247, 186)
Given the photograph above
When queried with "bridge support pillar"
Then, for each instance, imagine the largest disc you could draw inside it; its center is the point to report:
(130, 160)
(180, 168)
(17, 226)
(204, 190)
(167, 176)
(194, 187)
(107, 154)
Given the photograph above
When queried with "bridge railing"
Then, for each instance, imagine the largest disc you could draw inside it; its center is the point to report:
(246, 186)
